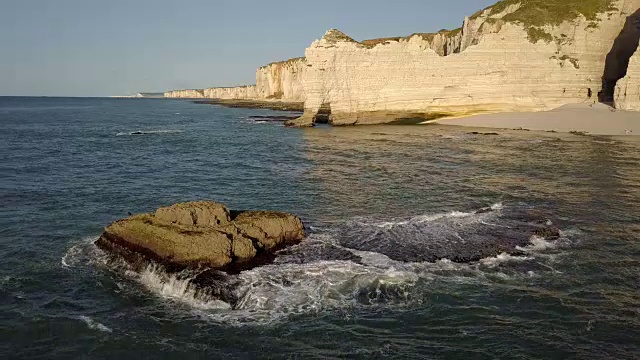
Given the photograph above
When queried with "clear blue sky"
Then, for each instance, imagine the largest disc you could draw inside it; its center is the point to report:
(118, 47)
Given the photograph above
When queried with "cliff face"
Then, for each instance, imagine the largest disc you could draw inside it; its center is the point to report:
(628, 88)
(495, 62)
(188, 94)
(279, 81)
(239, 92)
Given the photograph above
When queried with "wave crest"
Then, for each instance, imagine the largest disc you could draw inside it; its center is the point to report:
(94, 325)
(177, 287)
(149, 132)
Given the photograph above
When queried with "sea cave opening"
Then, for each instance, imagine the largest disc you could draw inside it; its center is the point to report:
(617, 60)
(323, 116)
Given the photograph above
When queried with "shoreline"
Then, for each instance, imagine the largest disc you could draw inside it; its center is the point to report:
(584, 119)
(581, 119)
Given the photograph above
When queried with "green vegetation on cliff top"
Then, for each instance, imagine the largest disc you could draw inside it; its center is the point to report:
(285, 62)
(532, 14)
(426, 36)
(550, 12)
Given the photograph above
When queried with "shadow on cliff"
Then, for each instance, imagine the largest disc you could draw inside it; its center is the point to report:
(617, 60)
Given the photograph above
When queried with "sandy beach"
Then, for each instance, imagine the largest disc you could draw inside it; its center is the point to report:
(594, 119)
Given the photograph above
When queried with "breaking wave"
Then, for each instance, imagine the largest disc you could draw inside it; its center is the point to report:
(176, 288)
(94, 325)
(149, 132)
(433, 217)
(82, 253)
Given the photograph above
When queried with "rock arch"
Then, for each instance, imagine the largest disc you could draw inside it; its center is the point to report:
(617, 60)
(323, 116)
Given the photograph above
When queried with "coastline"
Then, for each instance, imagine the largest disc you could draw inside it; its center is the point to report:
(583, 119)
(588, 119)
(507, 57)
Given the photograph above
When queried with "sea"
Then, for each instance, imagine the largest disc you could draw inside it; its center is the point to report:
(375, 200)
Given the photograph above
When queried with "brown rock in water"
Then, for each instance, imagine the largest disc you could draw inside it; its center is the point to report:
(548, 233)
(270, 228)
(200, 234)
(200, 213)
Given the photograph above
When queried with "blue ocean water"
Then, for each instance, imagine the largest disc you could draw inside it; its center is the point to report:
(374, 198)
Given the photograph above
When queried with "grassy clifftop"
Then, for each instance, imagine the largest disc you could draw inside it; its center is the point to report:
(550, 12)
(426, 36)
(534, 14)
(284, 62)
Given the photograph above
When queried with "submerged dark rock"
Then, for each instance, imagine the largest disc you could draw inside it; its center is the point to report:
(458, 237)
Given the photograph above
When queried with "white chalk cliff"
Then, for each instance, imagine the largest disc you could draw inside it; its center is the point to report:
(628, 88)
(517, 55)
(278, 81)
(491, 65)
(187, 94)
(238, 92)
(281, 80)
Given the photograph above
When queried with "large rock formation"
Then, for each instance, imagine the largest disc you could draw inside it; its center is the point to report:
(201, 234)
(628, 88)
(514, 56)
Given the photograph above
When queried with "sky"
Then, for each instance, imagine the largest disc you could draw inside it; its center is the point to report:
(121, 47)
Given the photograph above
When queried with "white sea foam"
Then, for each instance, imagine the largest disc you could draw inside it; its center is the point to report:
(503, 258)
(171, 287)
(79, 253)
(148, 132)
(434, 217)
(94, 325)
(276, 291)
(537, 243)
